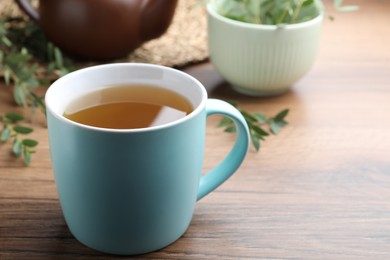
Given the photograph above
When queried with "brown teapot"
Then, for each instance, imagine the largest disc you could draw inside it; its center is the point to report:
(101, 29)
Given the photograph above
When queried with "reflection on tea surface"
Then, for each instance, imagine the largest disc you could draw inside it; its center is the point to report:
(128, 107)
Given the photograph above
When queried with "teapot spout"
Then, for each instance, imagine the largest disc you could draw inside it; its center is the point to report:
(156, 16)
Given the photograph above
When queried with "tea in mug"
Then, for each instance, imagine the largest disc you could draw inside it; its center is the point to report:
(128, 107)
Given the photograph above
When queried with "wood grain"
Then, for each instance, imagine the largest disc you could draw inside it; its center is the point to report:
(319, 190)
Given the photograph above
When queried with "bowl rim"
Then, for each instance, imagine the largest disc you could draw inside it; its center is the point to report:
(270, 27)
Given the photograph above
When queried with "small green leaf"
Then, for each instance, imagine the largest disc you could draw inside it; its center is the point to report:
(58, 57)
(260, 131)
(307, 3)
(27, 157)
(338, 6)
(282, 123)
(255, 142)
(281, 115)
(24, 51)
(260, 117)
(22, 129)
(14, 117)
(19, 95)
(7, 76)
(349, 8)
(29, 142)
(6, 41)
(51, 67)
(231, 129)
(256, 135)
(50, 50)
(5, 134)
(17, 148)
(275, 128)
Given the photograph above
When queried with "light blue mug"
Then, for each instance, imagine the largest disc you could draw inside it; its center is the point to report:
(134, 191)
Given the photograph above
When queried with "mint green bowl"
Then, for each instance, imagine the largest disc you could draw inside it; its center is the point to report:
(262, 60)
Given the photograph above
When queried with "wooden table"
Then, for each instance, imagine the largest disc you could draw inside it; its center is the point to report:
(319, 190)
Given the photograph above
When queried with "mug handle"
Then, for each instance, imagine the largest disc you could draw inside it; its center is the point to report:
(233, 160)
(26, 6)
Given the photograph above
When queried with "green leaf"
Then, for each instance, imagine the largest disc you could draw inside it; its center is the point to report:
(22, 129)
(349, 8)
(7, 76)
(14, 117)
(282, 123)
(6, 41)
(307, 3)
(255, 142)
(17, 148)
(24, 51)
(281, 115)
(338, 6)
(58, 57)
(19, 95)
(231, 129)
(5, 134)
(274, 126)
(29, 142)
(259, 131)
(27, 157)
(254, 134)
(260, 117)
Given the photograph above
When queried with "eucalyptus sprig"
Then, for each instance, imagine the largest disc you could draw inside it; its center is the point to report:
(12, 131)
(27, 61)
(23, 47)
(260, 126)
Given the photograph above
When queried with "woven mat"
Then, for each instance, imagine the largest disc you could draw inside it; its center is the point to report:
(184, 43)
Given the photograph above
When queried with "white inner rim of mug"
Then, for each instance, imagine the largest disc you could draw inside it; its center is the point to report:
(76, 84)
